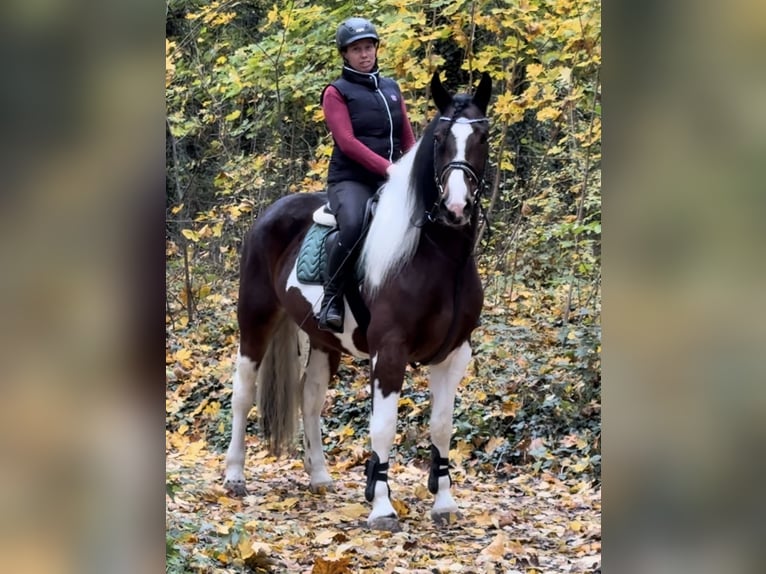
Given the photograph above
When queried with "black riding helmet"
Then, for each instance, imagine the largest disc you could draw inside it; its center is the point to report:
(352, 30)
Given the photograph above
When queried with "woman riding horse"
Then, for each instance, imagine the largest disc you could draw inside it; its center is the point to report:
(366, 115)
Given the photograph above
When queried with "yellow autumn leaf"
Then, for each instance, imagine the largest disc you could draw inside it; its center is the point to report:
(401, 507)
(422, 492)
(247, 547)
(212, 409)
(224, 527)
(461, 451)
(506, 165)
(234, 212)
(282, 504)
(183, 356)
(203, 291)
(547, 113)
(534, 70)
(193, 450)
(190, 234)
(233, 115)
(353, 511)
(510, 407)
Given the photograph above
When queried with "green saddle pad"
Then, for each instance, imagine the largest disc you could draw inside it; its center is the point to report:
(312, 257)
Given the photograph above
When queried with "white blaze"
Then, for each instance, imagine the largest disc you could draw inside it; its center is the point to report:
(457, 190)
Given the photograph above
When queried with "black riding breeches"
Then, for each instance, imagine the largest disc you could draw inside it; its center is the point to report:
(347, 201)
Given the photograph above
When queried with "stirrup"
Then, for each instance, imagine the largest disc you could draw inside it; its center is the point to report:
(323, 312)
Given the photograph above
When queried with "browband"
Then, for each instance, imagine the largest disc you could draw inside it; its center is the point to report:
(464, 120)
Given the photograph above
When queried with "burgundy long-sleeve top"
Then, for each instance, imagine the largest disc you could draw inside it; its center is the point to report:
(339, 123)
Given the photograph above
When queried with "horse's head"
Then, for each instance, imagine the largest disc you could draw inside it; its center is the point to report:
(460, 150)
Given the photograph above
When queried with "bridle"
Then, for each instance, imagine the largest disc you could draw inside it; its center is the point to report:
(441, 175)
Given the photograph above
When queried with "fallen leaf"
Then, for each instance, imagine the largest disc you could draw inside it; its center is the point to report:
(494, 443)
(401, 507)
(339, 566)
(353, 511)
(324, 537)
(260, 562)
(281, 505)
(575, 526)
(496, 548)
(422, 492)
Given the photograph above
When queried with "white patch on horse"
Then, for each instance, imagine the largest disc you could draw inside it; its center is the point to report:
(391, 239)
(241, 402)
(457, 190)
(314, 294)
(382, 434)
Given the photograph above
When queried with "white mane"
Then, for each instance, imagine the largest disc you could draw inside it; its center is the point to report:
(392, 239)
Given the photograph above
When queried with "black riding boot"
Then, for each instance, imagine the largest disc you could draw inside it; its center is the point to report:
(331, 313)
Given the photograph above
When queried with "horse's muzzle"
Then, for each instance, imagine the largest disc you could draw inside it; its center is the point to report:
(455, 217)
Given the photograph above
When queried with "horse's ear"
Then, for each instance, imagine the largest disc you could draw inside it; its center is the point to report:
(441, 97)
(483, 93)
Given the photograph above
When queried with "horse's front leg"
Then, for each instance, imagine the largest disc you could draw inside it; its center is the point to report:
(443, 380)
(387, 376)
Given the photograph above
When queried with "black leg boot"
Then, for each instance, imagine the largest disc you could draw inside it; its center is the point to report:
(331, 313)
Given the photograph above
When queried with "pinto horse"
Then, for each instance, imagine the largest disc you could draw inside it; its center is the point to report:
(419, 283)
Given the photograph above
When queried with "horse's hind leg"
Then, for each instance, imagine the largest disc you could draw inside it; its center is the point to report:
(443, 380)
(320, 368)
(241, 401)
(256, 313)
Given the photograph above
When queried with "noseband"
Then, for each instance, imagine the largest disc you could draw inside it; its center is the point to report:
(464, 166)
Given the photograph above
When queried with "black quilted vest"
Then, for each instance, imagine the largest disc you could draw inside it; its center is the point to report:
(374, 104)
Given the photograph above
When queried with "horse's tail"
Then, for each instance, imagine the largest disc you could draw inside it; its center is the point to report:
(279, 385)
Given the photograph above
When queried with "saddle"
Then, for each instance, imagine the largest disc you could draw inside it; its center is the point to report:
(311, 264)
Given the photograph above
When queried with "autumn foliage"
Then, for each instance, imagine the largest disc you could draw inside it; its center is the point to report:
(244, 127)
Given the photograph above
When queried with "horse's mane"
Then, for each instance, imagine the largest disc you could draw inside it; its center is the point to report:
(405, 198)
(392, 238)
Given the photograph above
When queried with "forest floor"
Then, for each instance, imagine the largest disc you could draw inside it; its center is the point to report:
(530, 523)
(525, 460)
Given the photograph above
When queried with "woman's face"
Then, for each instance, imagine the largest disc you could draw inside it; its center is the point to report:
(361, 55)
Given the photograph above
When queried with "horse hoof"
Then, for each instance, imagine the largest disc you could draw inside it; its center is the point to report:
(235, 488)
(445, 518)
(322, 488)
(387, 523)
